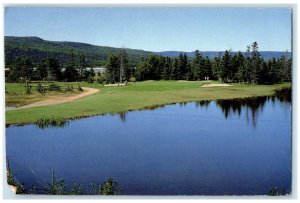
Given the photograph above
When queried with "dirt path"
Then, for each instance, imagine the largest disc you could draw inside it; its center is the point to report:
(60, 99)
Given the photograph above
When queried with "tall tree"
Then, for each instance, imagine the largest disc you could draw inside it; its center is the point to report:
(207, 68)
(255, 63)
(41, 71)
(71, 74)
(21, 69)
(122, 65)
(81, 65)
(226, 67)
(53, 69)
(217, 67)
(112, 68)
(175, 70)
(239, 67)
(182, 66)
(197, 70)
(167, 66)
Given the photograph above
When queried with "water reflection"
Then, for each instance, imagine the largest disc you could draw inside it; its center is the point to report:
(122, 116)
(284, 95)
(204, 103)
(252, 105)
(234, 106)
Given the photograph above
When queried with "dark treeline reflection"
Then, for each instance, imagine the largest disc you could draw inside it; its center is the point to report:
(284, 95)
(251, 105)
(234, 106)
(123, 116)
(204, 103)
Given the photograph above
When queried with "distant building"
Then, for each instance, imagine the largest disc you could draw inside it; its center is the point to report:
(97, 69)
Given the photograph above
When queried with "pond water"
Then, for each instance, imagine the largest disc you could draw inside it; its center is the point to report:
(224, 147)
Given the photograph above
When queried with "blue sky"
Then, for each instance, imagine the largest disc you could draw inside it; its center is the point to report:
(154, 28)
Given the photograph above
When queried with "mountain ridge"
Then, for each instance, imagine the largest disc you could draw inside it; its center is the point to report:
(38, 49)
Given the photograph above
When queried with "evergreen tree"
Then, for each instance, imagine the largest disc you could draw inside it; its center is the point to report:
(207, 70)
(196, 66)
(71, 74)
(225, 67)
(112, 68)
(255, 63)
(239, 67)
(41, 71)
(175, 70)
(247, 65)
(20, 69)
(182, 67)
(124, 70)
(53, 69)
(167, 66)
(81, 65)
(217, 67)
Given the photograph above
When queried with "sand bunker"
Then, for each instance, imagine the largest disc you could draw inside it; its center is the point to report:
(215, 85)
(114, 85)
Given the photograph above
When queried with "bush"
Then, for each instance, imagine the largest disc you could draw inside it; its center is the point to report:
(100, 80)
(28, 89)
(90, 79)
(40, 88)
(132, 79)
(54, 87)
(69, 88)
(79, 88)
(51, 122)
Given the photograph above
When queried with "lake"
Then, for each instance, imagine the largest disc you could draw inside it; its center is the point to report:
(224, 147)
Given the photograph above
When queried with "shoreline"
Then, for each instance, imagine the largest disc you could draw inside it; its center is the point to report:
(151, 106)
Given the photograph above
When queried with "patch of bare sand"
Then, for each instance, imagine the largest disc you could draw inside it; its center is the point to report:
(216, 85)
(61, 99)
(114, 85)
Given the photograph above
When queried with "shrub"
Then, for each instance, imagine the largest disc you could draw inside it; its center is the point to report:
(54, 87)
(69, 88)
(132, 79)
(40, 88)
(90, 79)
(109, 187)
(51, 122)
(79, 88)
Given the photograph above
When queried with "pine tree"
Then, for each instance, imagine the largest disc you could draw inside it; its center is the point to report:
(255, 63)
(196, 66)
(112, 68)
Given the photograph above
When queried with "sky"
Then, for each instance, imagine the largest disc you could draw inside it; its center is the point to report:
(156, 28)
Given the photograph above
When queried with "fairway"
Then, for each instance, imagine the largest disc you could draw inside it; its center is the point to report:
(136, 96)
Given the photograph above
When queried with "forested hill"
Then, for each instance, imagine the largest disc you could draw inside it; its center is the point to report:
(212, 54)
(38, 49)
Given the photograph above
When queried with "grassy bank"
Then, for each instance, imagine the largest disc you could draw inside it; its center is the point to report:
(15, 93)
(136, 96)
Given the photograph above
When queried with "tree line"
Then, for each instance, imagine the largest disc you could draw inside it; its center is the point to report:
(248, 67)
(22, 69)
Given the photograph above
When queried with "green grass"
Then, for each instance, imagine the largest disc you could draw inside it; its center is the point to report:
(137, 96)
(15, 93)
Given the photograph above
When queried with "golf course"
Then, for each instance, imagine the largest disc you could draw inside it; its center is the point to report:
(133, 96)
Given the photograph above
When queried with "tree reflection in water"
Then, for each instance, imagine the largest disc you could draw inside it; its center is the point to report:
(252, 105)
(234, 106)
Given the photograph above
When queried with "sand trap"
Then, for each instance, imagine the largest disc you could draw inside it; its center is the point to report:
(215, 85)
(114, 85)
(61, 99)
